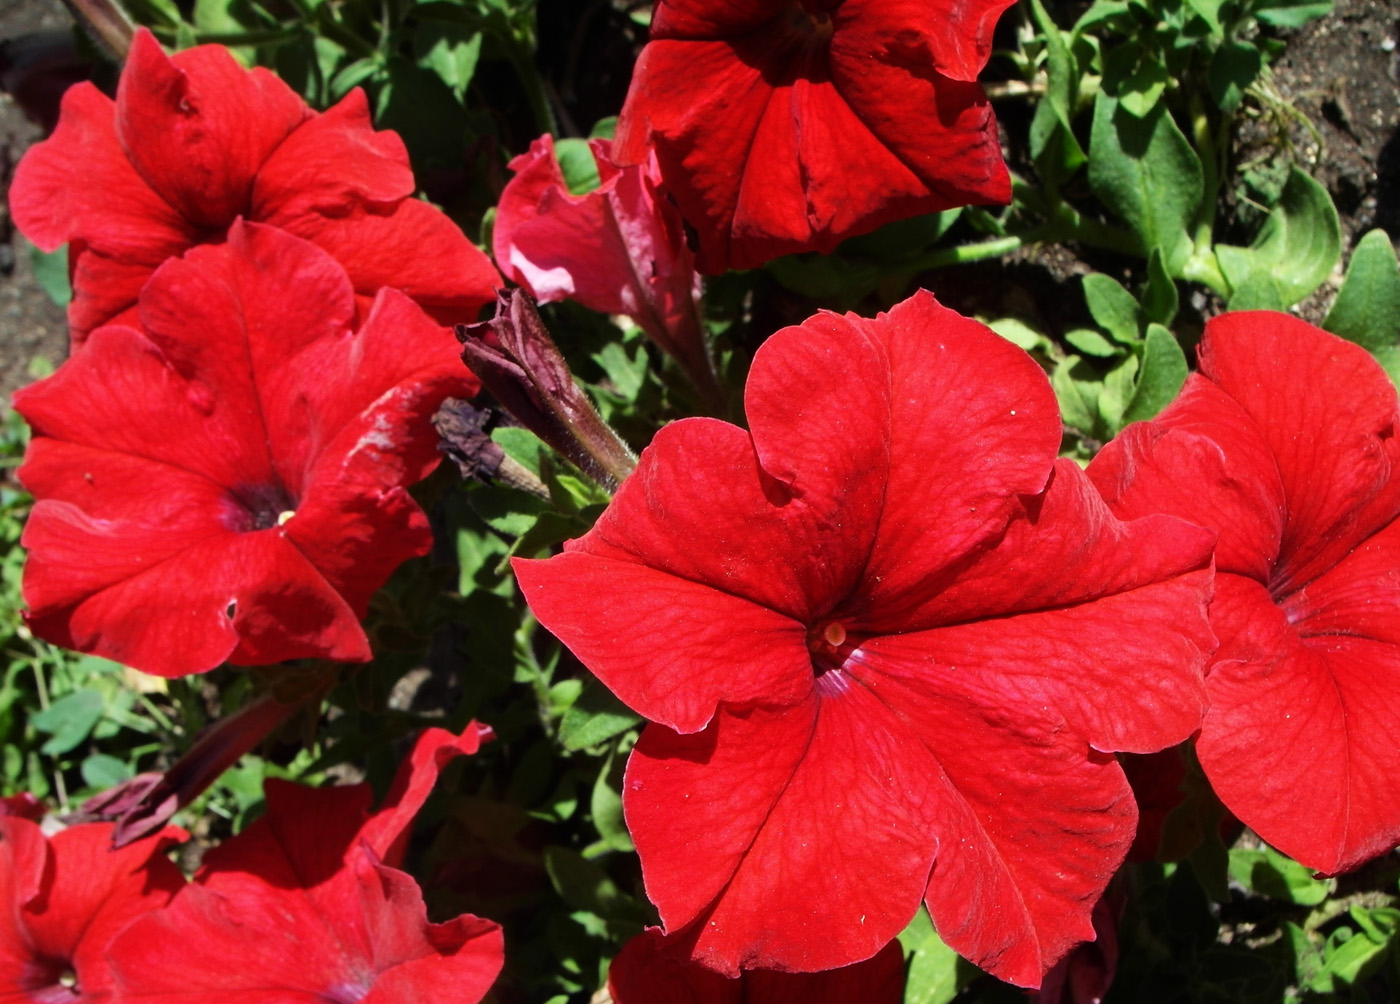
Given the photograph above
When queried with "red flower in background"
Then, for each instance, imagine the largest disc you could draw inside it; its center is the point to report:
(888, 642)
(618, 249)
(305, 904)
(789, 125)
(229, 482)
(645, 972)
(193, 142)
(62, 900)
(1285, 444)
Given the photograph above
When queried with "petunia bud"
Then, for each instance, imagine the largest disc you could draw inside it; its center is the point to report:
(518, 362)
(144, 804)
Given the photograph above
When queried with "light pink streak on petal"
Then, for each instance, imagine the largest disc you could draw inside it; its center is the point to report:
(1205, 460)
(1336, 445)
(669, 648)
(834, 829)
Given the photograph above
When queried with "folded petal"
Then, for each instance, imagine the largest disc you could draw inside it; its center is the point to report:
(1303, 713)
(329, 165)
(197, 127)
(1332, 431)
(1067, 548)
(821, 813)
(1205, 460)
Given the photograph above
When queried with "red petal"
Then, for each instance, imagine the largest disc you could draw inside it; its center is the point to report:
(409, 246)
(1304, 713)
(646, 971)
(65, 898)
(1031, 841)
(821, 814)
(675, 648)
(953, 38)
(330, 164)
(80, 184)
(198, 127)
(1330, 416)
(386, 832)
(1205, 460)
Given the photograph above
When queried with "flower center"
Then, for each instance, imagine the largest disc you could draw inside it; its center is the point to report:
(830, 644)
(813, 19)
(259, 507)
(51, 981)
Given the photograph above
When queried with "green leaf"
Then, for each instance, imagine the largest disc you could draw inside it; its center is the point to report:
(450, 50)
(1062, 88)
(1118, 386)
(576, 161)
(937, 974)
(1021, 334)
(1146, 172)
(595, 718)
(584, 885)
(1209, 12)
(1293, 252)
(1291, 13)
(69, 720)
(626, 374)
(1143, 89)
(103, 771)
(1271, 874)
(1113, 308)
(1077, 387)
(51, 272)
(1233, 68)
(1159, 297)
(606, 805)
(1160, 376)
(521, 445)
(1091, 343)
(1367, 308)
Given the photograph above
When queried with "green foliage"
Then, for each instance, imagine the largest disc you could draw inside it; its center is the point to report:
(1367, 308)
(1292, 254)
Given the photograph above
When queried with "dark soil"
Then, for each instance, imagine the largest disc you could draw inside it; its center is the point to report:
(31, 325)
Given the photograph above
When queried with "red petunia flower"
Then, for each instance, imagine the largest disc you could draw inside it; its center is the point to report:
(62, 900)
(790, 125)
(230, 482)
(888, 642)
(193, 142)
(618, 249)
(304, 905)
(1285, 443)
(645, 972)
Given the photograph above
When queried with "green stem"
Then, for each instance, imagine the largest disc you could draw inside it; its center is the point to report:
(963, 254)
(1201, 132)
